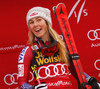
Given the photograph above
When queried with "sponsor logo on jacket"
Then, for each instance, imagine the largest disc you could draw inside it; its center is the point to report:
(41, 59)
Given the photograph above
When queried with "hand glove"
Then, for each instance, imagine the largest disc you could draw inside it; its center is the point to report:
(40, 86)
(94, 83)
(26, 86)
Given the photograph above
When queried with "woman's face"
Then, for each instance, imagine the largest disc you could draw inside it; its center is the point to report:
(39, 27)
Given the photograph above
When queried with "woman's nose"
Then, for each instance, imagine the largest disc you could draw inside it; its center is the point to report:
(35, 24)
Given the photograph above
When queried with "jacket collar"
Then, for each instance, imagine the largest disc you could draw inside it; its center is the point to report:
(41, 43)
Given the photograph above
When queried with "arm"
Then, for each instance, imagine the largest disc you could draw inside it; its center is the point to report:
(24, 62)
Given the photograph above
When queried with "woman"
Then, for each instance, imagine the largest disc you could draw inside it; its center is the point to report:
(46, 54)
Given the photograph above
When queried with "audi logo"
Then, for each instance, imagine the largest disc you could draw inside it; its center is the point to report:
(95, 64)
(94, 34)
(53, 70)
(10, 79)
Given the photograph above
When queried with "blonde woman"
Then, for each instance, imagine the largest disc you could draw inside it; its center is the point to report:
(45, 54)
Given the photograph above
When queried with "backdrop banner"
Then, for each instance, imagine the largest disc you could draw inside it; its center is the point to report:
(84, 18)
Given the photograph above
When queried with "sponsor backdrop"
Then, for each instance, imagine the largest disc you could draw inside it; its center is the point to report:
(85, 24)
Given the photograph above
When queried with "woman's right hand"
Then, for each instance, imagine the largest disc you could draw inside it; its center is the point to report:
(41, 86)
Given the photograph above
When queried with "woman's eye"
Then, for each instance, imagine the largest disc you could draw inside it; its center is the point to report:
(38, 19)
(31, 22)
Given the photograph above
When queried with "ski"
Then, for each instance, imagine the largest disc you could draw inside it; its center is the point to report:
(61, 15)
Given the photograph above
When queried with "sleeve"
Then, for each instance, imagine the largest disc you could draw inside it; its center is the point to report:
(24, 63)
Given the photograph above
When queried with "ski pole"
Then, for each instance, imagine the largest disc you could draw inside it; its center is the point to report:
(35, 73)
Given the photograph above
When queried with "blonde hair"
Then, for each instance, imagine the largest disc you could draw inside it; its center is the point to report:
(63, 53)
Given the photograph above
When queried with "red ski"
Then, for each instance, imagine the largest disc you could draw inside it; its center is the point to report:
(61, 15)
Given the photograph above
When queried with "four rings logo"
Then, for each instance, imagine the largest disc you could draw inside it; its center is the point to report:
(94, 34)
(10, 79)
(53, 70)
(96, 64)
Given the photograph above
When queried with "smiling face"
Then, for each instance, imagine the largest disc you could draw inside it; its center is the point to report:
(39, 28)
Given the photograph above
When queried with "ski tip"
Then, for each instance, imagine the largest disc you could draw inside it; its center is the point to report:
(60, 4)
(54, 9)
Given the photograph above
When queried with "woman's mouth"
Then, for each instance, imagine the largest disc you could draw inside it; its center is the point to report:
(37, 30)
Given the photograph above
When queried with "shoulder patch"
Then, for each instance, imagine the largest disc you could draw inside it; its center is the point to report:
(21, 56)
(20, 70)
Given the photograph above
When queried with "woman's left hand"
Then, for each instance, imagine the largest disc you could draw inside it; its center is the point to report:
(41, 86)
(94, 83)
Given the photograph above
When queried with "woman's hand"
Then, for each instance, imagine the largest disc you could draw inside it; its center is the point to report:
(94, 83)
(40, 86)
